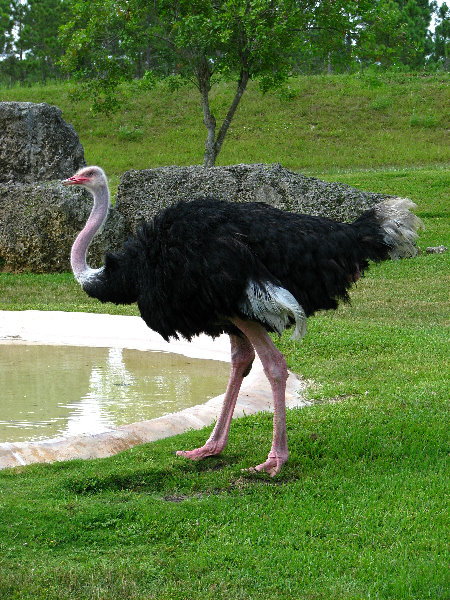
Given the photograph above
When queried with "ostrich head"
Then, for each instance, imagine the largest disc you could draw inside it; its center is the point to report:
(92, 178)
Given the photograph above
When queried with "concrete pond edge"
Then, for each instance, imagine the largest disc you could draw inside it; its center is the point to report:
(114, 331)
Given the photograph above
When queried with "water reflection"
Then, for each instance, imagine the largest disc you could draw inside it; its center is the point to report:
(54, 391)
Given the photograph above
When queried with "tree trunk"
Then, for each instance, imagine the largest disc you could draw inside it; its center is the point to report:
(209, 158)
(213, 145)
(203, 74)
(242, 84)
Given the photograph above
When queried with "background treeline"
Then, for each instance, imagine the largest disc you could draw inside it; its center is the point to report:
(37, 37)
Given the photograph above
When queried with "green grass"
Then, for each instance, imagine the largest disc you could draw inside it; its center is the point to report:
(341, 121)
(357, 513)
(360, 511)
(52, 291)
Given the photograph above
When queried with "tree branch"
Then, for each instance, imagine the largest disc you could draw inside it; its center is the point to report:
(242, 84)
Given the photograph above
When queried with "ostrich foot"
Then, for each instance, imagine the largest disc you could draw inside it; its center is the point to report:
(209, 449)
(272, 465)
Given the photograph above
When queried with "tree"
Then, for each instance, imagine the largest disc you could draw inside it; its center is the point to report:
(380, 36)
(202, 40)
(29, 38)
(39, 34)
(6, 24)
(12, 49)
(100, 46)
(416, 18)
(252, 39)
(356, 35)
(441, 38)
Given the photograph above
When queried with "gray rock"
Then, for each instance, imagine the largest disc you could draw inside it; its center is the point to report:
(142, 194)
(36, 144)
(436, 249)
(39, 222)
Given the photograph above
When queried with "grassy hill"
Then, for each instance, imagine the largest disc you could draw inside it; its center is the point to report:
(337, 122)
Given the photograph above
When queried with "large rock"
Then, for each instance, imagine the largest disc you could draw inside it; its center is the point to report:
(36, 144)
(142, 194)
(39, 222)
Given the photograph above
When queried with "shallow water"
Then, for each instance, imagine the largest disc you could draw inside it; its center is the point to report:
(48, 392)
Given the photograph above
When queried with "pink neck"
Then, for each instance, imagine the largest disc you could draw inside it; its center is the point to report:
(96, 219)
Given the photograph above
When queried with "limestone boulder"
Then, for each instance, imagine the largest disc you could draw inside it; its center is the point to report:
(39, 222)
(36, 144)
(142, 194)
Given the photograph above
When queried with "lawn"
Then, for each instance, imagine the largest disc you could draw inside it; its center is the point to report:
(338, 122)
(360, 511)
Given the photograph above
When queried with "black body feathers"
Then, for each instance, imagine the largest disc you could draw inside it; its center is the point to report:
(190, 267)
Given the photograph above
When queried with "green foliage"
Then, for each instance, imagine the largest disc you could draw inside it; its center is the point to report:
(149, 81)
(30, 42)
(207, 41)
(204, 41)
(424, 120)
(103, 43)
(441, 41)
(416, 18)
(167, 37)
(40, 33)
(5, 24)
(383, 36)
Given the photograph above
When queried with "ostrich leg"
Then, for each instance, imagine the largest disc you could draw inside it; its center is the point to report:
(242, 355)
(275, 368)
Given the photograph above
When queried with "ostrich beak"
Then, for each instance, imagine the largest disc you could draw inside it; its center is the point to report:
(75, 180)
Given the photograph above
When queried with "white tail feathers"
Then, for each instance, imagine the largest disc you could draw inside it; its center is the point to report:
(400, 226)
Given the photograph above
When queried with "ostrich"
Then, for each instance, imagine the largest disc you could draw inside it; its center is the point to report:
(210, 266)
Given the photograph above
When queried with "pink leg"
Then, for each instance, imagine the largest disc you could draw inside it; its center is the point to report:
(242, 355)
(275, 368)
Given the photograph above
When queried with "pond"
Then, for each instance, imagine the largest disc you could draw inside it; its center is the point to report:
(49, 392)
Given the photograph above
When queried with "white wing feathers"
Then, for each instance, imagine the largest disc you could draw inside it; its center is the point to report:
(275, 306)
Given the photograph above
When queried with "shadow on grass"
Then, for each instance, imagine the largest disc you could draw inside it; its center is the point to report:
(182, 481)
